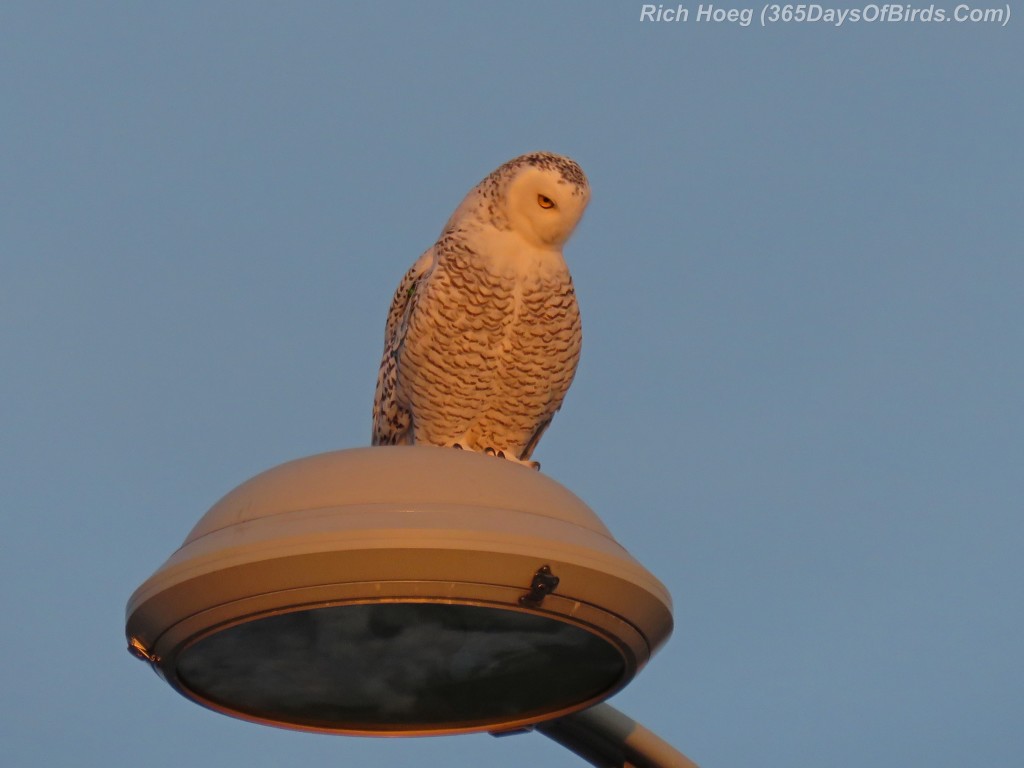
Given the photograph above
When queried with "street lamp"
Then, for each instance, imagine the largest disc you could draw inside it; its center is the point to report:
(402, 591)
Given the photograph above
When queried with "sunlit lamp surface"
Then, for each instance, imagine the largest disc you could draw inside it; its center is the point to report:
(394, 591)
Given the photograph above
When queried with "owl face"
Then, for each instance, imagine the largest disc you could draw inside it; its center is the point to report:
(543, 206)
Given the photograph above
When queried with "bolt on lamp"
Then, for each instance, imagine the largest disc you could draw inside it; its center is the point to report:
(406, 591)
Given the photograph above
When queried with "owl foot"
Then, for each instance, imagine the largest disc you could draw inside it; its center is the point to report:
(501, 455)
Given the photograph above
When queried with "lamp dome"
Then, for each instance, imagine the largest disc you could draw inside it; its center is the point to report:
(399, 591)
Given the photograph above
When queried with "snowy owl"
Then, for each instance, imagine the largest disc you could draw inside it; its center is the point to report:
(483, 335)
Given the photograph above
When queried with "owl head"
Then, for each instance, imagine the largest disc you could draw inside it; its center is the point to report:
(540, 196)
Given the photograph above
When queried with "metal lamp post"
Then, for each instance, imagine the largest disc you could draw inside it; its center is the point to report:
(407, 591)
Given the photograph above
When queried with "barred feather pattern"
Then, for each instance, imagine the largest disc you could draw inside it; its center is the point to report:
(483, 336)
(391, 422)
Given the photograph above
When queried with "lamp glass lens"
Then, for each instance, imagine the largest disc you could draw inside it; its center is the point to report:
(400, 666)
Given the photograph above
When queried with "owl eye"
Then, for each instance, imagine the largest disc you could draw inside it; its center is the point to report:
(545, 202)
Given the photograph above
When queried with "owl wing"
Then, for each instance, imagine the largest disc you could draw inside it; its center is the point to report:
(392, 423)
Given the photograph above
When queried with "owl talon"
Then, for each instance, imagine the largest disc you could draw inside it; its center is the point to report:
(524, 462)
(500, 454)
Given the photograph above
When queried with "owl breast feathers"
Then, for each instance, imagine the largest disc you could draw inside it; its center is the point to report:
(483, 335)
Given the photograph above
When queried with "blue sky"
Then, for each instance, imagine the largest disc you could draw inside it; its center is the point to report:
(799, 402)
